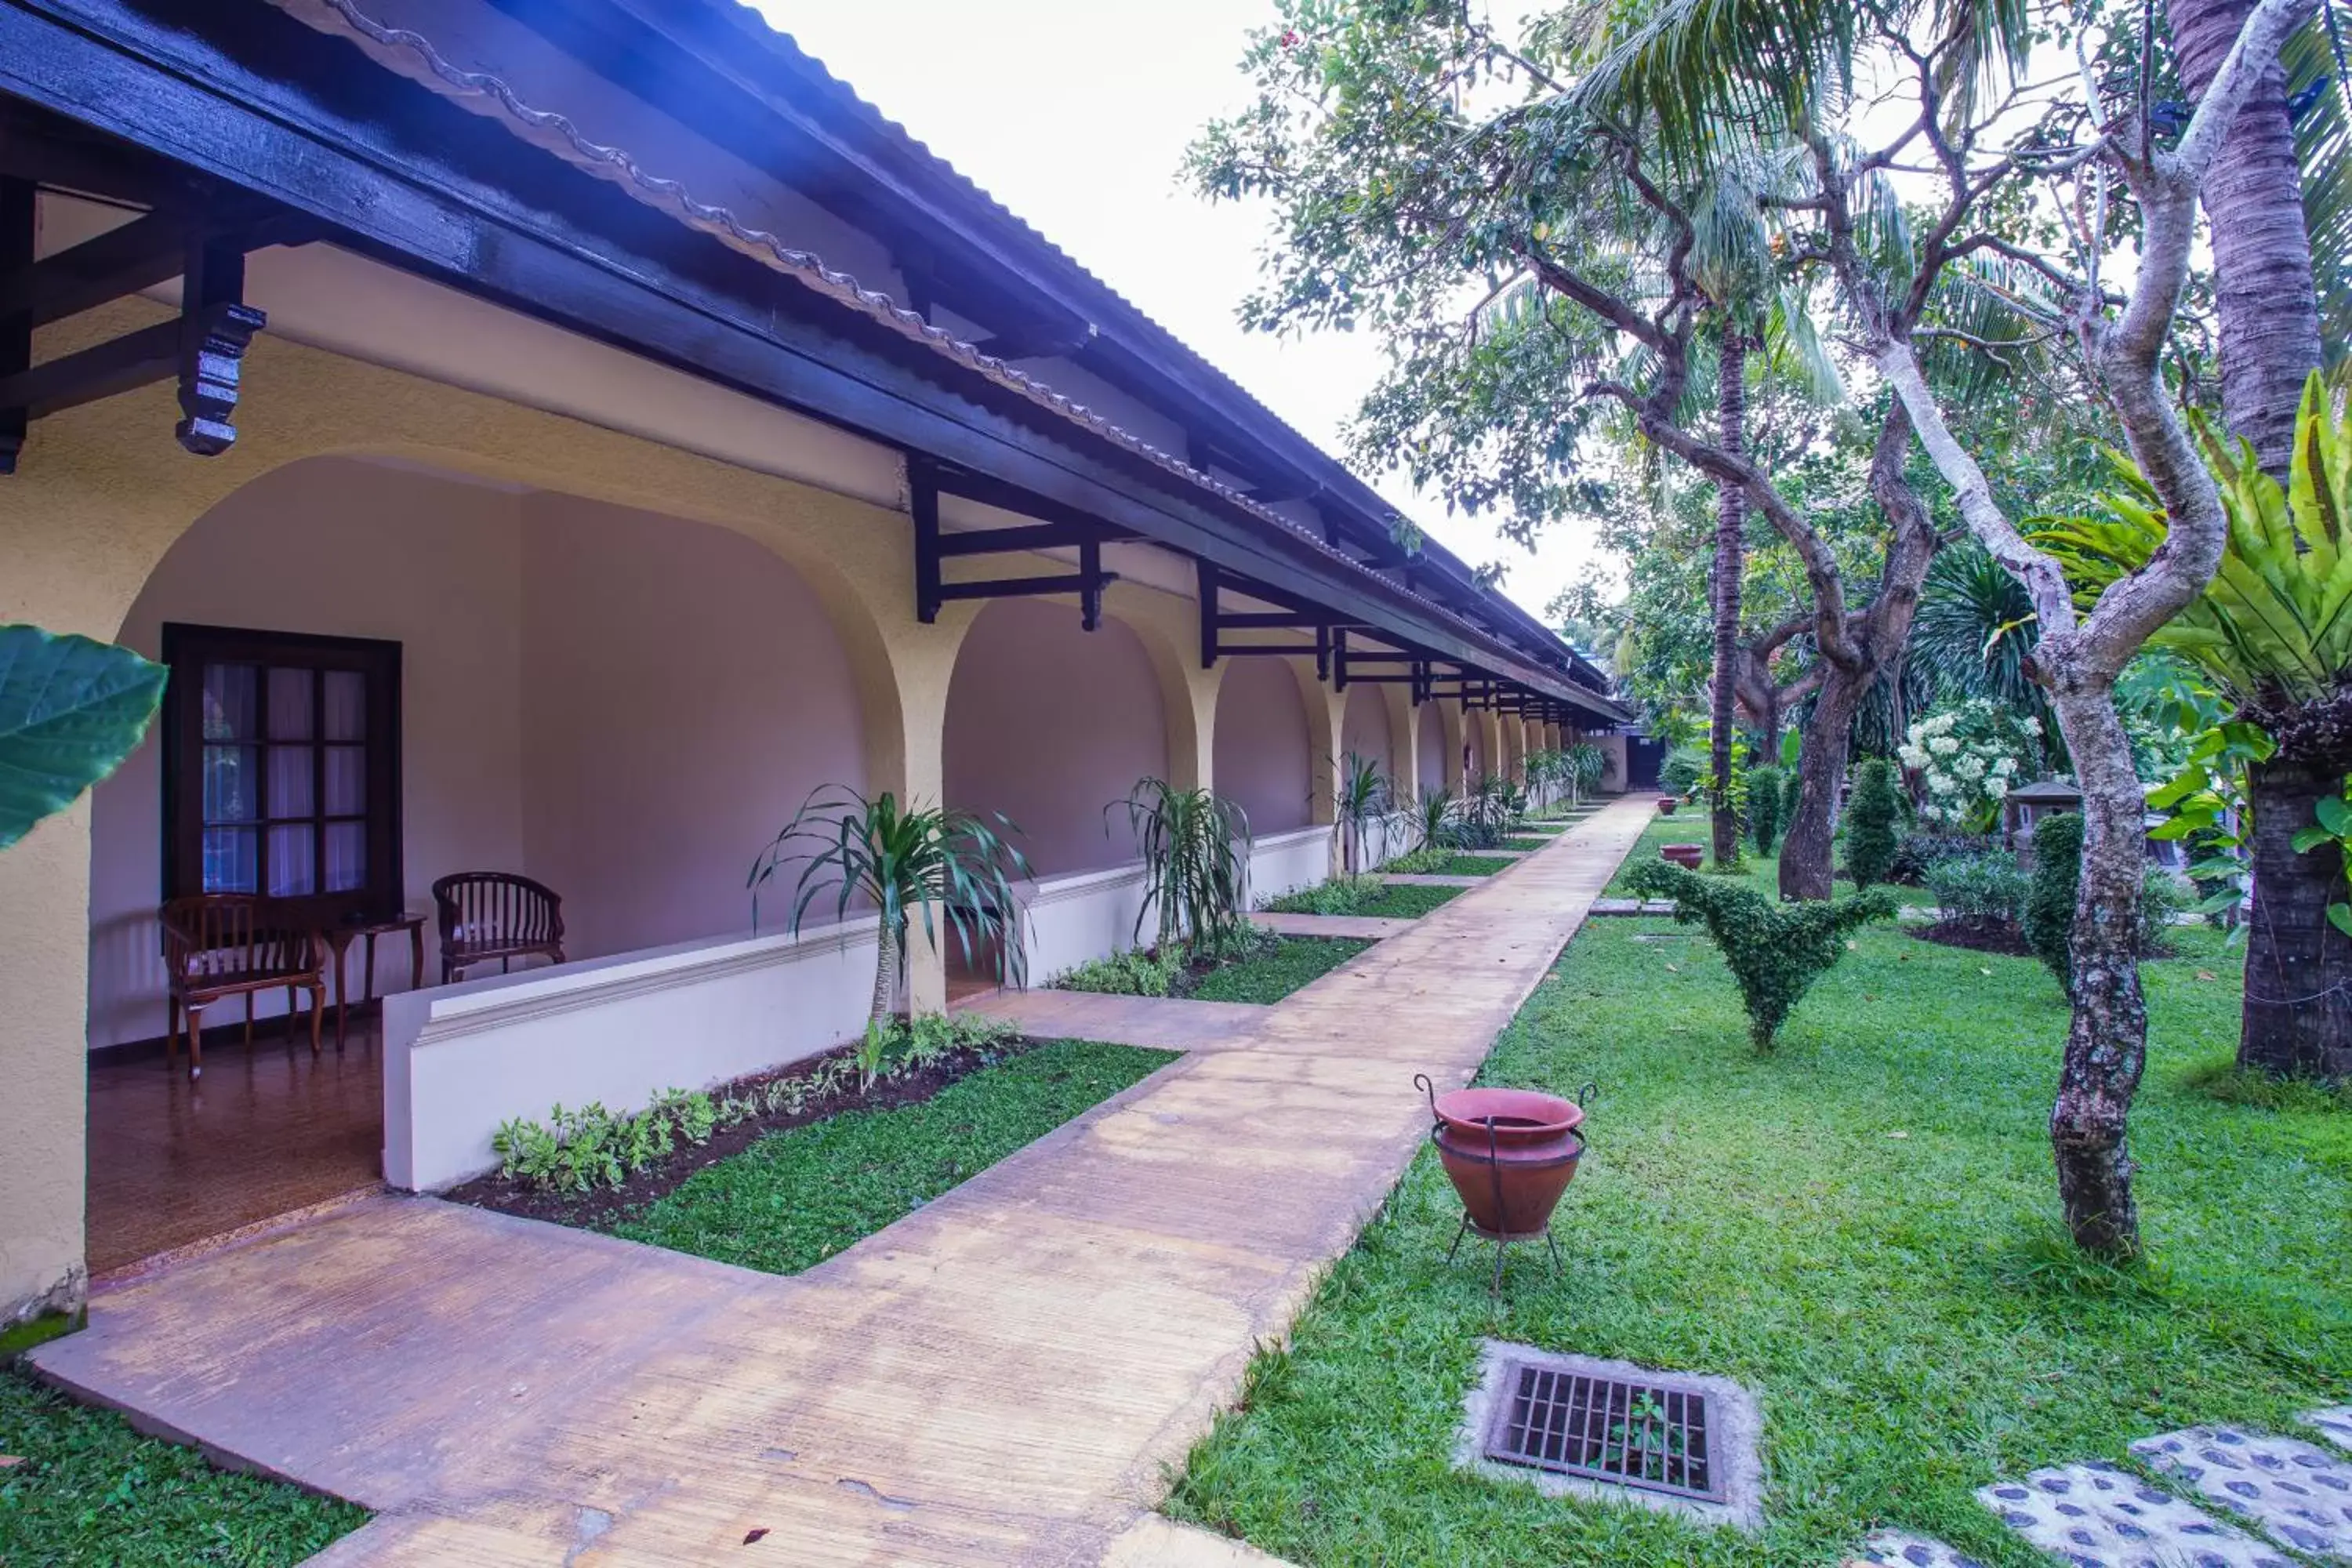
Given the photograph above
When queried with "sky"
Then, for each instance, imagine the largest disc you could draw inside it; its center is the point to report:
(1076, 115)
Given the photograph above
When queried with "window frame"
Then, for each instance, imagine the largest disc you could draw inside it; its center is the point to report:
(186, 649)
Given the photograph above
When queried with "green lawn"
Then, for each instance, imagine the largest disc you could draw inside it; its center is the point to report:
(1689, 826)
(78, 1487)
(1524, 846)
(797, 1197)
(1270, 975)
(1363, 896)
(1861, 1227)
(1422, 863)
(1405, 901)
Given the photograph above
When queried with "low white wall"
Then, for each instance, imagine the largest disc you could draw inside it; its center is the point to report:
(460, 1059)
(1085, 916)
(1284, 862)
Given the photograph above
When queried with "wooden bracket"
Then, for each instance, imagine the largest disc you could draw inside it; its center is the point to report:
(926, 480)
(18, 198)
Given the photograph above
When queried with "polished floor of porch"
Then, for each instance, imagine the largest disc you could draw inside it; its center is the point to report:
(1005, 1376)
(266, 1130)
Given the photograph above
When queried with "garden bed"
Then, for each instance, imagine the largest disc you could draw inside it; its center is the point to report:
(81, 1488)
(1861, 1227)
(1264, 969)
(1426, 863)
(792, 1199)
(805, 1094)
(1365, 896)
(1977, 936)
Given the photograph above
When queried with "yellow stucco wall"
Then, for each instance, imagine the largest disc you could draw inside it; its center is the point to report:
(103, 492)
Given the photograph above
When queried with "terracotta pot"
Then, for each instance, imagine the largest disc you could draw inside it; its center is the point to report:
(1686, 855)
(1510, 1153)
(1666, 805)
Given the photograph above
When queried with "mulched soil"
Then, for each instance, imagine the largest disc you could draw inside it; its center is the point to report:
(600, 1209)
(1981, 936)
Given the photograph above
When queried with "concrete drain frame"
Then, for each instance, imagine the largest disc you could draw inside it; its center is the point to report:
(1609, 1431)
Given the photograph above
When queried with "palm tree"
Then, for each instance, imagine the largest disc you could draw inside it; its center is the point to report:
(2273, 633)
(902, 861)
(1972, 633)
(1363, 800)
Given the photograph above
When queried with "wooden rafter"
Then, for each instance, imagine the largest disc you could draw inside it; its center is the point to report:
(1063, 528)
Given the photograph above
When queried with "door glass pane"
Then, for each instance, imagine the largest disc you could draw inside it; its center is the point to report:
(290, 791)
(293, 856)
(346, 780)
(229, 860)
(229, 700)
(232, 780)
(346, 705)
(290, 704)
(346, 856)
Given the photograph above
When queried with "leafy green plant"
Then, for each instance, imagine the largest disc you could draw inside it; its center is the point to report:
(1433, 819)
(70, 710)
(2335, 827)
(1363, 799)
(905, 861)
(1586, 764)
(1764, 808)
(1196, 854)
(1870, 822)
(1984, 890)
(2212, 813)
(1918, 850)
(1774, 953)
(1681, 772)
(1339, 896)
(1137, 971)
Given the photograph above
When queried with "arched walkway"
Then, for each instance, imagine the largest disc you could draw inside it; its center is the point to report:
(1047, 724)
(1263, 760)
(621, 705)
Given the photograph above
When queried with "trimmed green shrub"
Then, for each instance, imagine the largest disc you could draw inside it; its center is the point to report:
(1764, 808)
(1870, 818)
(2057, 876)
(1774, 953)
(1981, 889)
(2049, 907)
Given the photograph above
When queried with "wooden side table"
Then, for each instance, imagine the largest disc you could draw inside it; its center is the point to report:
(339, 936)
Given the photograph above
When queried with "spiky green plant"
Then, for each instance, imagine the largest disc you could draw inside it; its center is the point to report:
(905, 861)
(1362, 801)
(1434, 822)
(1195, 846)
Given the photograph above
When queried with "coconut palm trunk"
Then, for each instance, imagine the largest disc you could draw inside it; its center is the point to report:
(2267, 305)
(886, 974)
(1730, 524)
(2298, 1009)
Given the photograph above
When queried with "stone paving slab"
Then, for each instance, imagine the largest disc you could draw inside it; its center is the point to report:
(1899, 1549)
(2334, 1425)
(1160, 1023)
(1008, 1375)
(2298, 1494)
(1371, 927)
(1409, 879)
(1632, 906)
(2098, 1516)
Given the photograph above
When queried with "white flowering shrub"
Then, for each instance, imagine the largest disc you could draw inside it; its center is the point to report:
(1966, 759)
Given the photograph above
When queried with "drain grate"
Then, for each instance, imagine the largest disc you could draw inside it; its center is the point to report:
(1649, 1433)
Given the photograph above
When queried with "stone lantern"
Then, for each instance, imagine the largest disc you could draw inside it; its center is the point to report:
(2029, 804)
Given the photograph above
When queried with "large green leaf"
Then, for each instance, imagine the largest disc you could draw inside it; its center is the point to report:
(70, 710)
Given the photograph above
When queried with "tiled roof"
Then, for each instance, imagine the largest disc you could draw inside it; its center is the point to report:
(414, 56)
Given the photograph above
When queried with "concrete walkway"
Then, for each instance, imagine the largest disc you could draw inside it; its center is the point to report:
(1008, 1375)
(1372, 926)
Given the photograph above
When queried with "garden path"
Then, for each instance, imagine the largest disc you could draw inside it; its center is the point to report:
(1372, 926)
(1006, 1376)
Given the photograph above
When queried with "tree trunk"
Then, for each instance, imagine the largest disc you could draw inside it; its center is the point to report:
(2268, 308)
(1806, 850)
(885, 974)
(2106, 1038)
(2298, 1011)
(1731, 524)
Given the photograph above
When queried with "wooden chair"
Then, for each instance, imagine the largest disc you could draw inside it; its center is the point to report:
(217, 945)
(496, 914)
